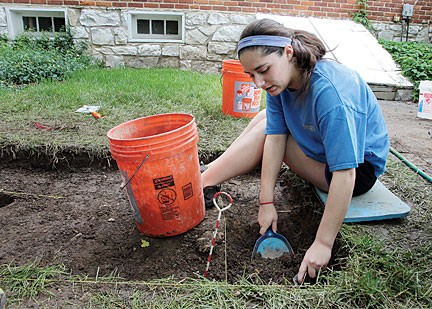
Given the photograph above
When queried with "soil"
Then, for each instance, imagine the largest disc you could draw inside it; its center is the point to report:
(81, 218)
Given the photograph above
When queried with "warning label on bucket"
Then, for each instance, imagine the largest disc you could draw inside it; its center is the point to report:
(247, 98)
(163, 182)
(167, 204)
(187, 191)
(167, 197)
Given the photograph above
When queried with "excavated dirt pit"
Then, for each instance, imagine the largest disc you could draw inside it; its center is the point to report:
(83, 220)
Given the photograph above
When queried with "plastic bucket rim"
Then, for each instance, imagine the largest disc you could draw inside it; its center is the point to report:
(188, 132)
(110, 132)
(155, 154)
(231, 61)
(233, 66)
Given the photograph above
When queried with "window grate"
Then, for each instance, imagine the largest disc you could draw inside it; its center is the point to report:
(36, 21)
(43, 24)
(156, 26)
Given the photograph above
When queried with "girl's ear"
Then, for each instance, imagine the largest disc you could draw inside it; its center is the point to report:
(289, 51)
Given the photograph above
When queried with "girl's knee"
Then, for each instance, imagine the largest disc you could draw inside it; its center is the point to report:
(261, 115)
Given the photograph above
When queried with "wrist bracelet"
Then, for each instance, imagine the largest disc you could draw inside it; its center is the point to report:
(266, 203)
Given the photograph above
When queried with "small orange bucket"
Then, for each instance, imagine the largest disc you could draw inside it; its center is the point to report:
(240, 96)
(158, 161)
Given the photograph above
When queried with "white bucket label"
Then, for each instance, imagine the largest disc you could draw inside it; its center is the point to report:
(247, 98)
(425, 99)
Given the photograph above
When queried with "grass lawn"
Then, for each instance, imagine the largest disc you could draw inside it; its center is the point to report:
(384, 269)
(123, 94)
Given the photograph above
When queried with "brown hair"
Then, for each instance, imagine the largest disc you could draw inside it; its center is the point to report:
(308, 48)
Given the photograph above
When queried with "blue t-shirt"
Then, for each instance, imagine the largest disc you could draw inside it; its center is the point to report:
(338, 123)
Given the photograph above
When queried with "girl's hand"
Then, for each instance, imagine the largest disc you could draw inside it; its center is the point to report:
(316, 258)
(267, 216)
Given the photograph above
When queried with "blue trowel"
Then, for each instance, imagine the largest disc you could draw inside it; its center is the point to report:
(271, 245)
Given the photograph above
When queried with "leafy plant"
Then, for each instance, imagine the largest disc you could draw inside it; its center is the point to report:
(31, 59)
(3, 39)
(361, 15)
(414, 59)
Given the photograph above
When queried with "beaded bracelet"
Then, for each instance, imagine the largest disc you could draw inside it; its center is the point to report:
(266, 203)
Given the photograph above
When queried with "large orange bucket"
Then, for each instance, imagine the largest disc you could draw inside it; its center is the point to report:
(240, 96)
(158, 160)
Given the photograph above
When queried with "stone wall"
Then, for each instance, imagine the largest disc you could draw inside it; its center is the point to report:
(398, 31)
(3, 23)
(210, 37)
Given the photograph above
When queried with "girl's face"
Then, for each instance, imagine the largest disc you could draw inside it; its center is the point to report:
(273, 73)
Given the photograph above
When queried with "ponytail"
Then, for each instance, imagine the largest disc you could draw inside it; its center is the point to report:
(308, 50)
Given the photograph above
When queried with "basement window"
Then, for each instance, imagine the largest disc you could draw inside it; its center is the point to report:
(35, 21)
(156, 26)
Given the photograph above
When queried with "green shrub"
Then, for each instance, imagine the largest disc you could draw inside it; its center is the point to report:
(361, 15)
(414, 59)
(31, 59)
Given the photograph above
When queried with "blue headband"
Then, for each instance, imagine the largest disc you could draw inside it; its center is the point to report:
(263, 40)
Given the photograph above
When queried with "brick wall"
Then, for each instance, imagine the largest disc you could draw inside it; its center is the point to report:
(378, 10)
(381, 11)
(386, 10)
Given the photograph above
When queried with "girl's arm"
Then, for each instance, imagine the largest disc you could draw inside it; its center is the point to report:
(274, 152)
(338, 200)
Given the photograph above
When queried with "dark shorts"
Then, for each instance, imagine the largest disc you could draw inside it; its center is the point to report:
(365, 178)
